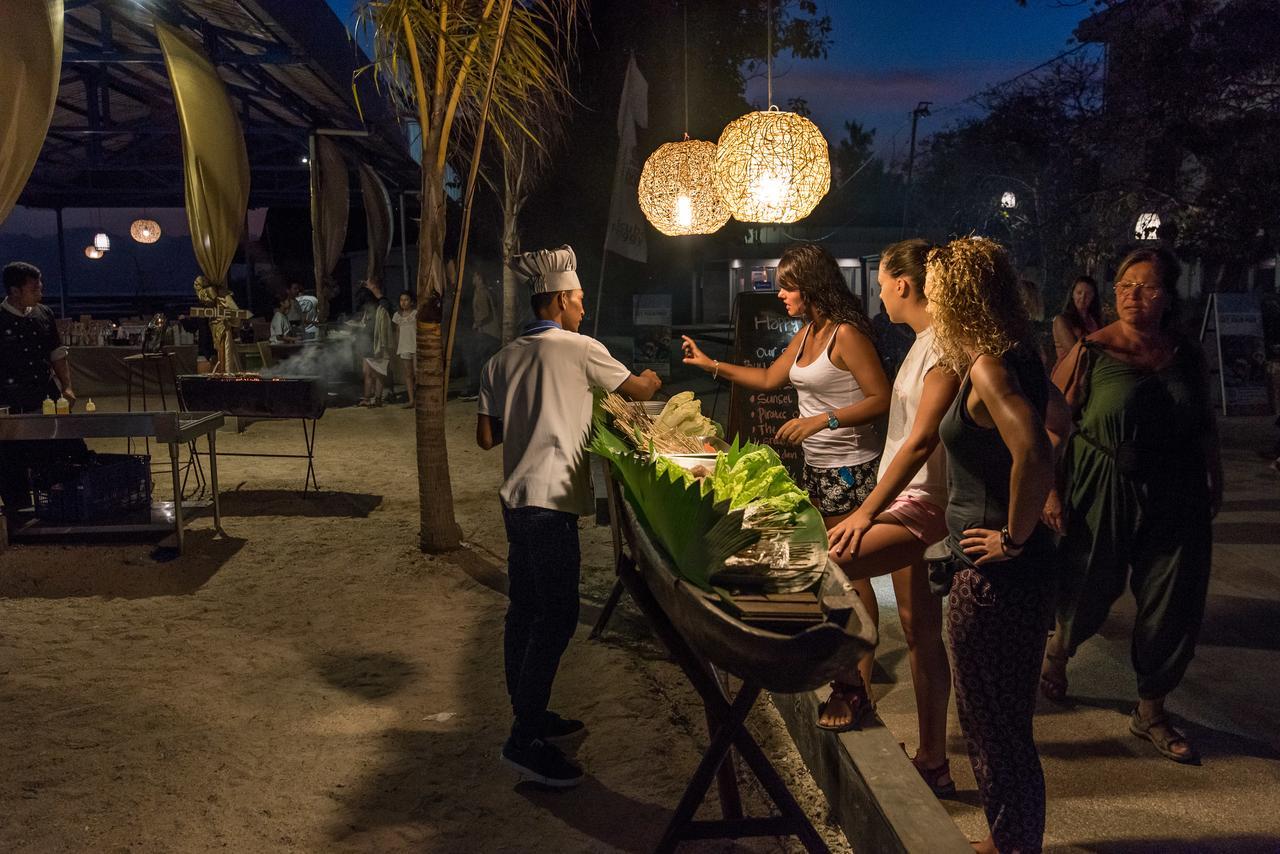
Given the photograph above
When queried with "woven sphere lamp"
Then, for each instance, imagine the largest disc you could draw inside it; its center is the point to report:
(93, 253)
(772, 166)
(677, 189)
(145, 230)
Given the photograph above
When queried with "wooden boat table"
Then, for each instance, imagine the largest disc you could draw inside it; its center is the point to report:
(167, 428)
(706, 643)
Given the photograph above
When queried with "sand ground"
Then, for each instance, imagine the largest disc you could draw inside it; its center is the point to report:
(313, 682)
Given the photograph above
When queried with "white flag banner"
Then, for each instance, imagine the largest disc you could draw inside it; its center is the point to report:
(626, 234)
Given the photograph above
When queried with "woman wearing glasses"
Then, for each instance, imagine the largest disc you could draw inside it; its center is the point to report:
(1143, 481)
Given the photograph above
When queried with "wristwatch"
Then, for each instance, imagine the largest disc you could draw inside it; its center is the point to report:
(833, 423)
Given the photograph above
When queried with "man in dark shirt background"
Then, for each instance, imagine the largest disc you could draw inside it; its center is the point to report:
(31, 356)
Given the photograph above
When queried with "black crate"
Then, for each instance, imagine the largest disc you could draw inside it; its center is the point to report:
(106, 486)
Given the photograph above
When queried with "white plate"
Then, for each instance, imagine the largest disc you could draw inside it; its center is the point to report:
(653, 408)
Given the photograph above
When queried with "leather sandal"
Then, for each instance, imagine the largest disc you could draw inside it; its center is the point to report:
(1142, 728)
(1051, 687)
(934, 777)
(859, 702)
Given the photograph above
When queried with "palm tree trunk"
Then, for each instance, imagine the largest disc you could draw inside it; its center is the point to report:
(439, 530)
(510, 284)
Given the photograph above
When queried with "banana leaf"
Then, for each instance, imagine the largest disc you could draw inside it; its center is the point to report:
(697, 534)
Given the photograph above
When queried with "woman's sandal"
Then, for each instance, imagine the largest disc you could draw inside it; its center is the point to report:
(1054, 688)
(858, 701)
(938, 778)
(1142, 728)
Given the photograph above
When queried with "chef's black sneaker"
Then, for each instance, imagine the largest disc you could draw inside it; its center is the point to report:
(541, 762)
(556, 729)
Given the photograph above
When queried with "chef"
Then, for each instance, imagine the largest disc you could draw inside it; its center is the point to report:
(536, 400)
(31, 356)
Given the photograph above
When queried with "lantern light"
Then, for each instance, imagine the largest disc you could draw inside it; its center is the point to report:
(145, 230)
(677, 189)
(101, 242)
(772, 166)
(1147, 227)
(1008, 201)
(93, 253)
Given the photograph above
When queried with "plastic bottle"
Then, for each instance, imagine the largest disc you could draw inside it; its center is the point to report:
(63, 406)
(90, 406)
(48, 407)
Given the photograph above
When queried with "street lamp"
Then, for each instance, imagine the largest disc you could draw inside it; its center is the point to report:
(1008, 201)
(1147, 227)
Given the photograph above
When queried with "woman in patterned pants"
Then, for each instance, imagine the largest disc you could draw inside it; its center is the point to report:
(1000, 469)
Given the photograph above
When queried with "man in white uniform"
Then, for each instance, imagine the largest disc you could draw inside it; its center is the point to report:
(535, 400)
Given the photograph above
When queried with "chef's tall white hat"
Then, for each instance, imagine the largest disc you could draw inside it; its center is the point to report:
(548, 270)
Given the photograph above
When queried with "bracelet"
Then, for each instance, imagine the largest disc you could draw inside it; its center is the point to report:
(715, 375)
(1007, 544)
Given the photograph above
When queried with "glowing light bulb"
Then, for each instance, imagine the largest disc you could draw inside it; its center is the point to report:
(684, 211)
(1008, 201)
(770, 188)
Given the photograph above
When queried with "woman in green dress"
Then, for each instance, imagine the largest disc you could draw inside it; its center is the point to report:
(1143, 482)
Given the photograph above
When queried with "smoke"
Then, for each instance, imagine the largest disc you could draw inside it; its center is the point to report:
(333, 361)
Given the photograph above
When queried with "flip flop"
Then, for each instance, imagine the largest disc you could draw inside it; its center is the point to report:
(1141, 727)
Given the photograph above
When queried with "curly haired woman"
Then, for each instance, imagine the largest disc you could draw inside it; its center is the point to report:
(842, 389)
(1000, 470)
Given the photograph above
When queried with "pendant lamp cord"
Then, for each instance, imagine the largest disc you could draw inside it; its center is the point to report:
(686, 69)
(769, 56)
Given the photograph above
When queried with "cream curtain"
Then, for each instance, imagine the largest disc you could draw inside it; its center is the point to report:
(216, 165)
(330, 199)
(30, 69)
(377, 210)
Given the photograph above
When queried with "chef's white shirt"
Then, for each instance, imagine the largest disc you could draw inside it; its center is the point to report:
(539, 387)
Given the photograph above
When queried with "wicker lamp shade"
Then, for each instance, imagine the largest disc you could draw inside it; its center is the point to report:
(772, 166)
(93, 253)
(102, 241)
(677, 189)
(145, 230)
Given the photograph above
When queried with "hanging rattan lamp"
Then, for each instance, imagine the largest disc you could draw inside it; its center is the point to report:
(93, 253)
(677, 189)
(771, 165)
(145, 230)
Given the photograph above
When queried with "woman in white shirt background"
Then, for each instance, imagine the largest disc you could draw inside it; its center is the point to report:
(906, 512)
(841, 389)
(406, 321)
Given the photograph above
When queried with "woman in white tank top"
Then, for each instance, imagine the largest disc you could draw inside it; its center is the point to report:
(904, 514)
(842, 389)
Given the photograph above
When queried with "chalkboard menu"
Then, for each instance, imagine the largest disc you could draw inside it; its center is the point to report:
(761, 331)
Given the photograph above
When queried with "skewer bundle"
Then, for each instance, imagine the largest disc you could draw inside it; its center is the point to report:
(646, 433)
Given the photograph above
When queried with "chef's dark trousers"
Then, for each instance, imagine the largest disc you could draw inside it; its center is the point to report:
(542, 566)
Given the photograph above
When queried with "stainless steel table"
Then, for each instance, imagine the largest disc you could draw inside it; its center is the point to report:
(169, 428)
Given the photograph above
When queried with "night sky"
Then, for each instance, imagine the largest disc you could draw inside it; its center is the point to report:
(889, 54)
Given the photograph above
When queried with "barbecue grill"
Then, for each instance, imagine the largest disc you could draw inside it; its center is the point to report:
(250, 396)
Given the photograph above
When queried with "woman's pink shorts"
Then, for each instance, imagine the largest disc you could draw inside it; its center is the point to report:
(926, 521)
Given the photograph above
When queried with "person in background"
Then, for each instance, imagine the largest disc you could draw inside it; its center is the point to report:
(32, 357)
(1081, 315)
(1000, 468)
(304, 314)
(1042, 334)
(486, 333)
(281, 327)
(893, 341)
(382, 343)
(536, 401)
(905, 513)
(406, 322)
(1143, 482)
(841, 390)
